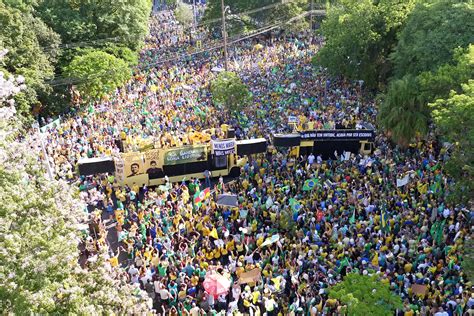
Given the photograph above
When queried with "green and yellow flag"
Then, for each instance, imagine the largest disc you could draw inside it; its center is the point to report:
(310, 184)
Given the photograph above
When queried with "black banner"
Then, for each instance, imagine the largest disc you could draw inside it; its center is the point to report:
(341, 134)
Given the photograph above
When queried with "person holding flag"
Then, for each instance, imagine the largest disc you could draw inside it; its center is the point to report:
(310, 184)
(200, 196)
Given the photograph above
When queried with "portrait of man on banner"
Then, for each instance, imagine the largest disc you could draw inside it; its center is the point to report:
(152, 165)
(134, 164)
(153, 171)
(134, 170)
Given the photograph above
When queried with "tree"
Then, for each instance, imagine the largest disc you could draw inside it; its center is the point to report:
(39, 235)
(245, 15)
(432, 32)
(403, 112)
(121, 52)
(171, 3)
(360, 36)
(293, 11)
(438, 84)
(468, 259)
(25, 36)
(228, 89)
(97, 73)
(124, 22)
(454, 119)
(365, 295)
(184, 14)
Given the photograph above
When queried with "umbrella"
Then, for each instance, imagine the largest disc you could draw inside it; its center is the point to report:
(227, 200)
(216, 284)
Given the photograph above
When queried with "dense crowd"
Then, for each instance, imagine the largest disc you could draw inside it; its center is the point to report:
(356, 217)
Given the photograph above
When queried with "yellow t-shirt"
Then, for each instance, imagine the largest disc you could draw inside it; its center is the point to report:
(217, 253)
(113, 261)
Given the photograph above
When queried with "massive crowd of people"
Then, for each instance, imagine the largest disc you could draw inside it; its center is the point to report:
(356, 218)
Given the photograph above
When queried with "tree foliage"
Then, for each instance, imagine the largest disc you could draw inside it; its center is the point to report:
(438, 84)
(468, 259)
(292, 12)
(97, 73)
(184, 14)
(365, 295)
(25, 37)
(454, 118)
(39, 236)
(32, 30)
(247, 15)
(360, 36)
(228, 89)
(124, 22)
(433, 30)
(403, 111)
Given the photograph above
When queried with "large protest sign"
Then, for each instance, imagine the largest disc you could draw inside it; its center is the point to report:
(151, 164)
(185, 155)
(119, 169)
(134, 169)
(419, 289)
(51, 126)
(251, 276)
(403, 181)
(338, 135)
(223, 147)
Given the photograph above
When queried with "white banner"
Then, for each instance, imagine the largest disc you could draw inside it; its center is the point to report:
(119, 169)
(292, 119)
(403, 181)
(223, 147)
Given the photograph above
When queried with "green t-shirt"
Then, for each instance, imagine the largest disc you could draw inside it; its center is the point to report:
(162, 270)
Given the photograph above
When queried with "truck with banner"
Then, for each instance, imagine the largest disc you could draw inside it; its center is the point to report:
(327, 143)
(222, 157)
(148, 162)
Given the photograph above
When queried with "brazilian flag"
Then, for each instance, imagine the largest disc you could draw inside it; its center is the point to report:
(243, 120)
(295, 205)
(310, 184)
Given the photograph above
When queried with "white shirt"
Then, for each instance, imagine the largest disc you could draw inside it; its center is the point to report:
(164, 294)
(157, 286)
(270, 304)
(195, 311)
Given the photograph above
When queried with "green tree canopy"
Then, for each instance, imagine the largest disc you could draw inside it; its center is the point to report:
(438, 84)
(97, 73)
(468, 259)
(247, 15)
(184, 14)
(25, 37)
(454, 118)
(360, 36)
(124, 22)
(365, 295)
(229, 90)
(403, 112)
(433, 30)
